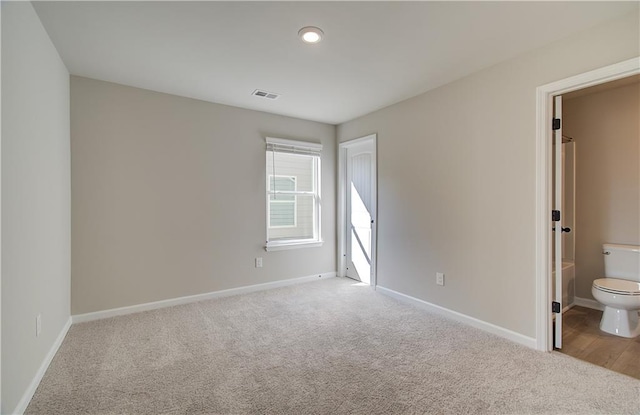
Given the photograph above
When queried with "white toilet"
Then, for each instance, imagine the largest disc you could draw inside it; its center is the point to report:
(620, 290)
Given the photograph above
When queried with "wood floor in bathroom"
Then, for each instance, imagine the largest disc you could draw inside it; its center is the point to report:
(583, 339)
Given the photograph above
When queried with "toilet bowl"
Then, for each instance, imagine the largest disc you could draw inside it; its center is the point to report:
(621, 299)
(619, 292)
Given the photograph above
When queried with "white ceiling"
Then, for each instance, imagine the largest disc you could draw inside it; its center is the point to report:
(373, 54)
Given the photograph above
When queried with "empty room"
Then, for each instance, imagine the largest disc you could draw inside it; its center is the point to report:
(320, 207)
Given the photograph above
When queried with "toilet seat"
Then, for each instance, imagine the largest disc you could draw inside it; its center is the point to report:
(618, 287)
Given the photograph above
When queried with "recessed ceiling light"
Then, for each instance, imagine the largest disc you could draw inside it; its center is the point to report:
(310, 34)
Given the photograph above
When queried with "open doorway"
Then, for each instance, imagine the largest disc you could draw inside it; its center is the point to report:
(602, 125)
(358, 208)
(549, 244)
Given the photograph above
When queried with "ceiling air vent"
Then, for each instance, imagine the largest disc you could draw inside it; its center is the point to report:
(265, 94)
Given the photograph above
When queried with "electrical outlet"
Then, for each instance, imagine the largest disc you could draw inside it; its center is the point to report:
(258, 262)
(439, 278)
(38, 324)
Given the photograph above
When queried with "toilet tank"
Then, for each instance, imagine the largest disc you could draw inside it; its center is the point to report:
(622, 261)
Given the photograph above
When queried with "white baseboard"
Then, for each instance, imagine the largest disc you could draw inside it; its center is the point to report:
(588, 302)
(98, 315)
(28, 394)
(463, 318)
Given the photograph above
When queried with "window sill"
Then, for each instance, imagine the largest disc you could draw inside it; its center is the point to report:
(281, 246)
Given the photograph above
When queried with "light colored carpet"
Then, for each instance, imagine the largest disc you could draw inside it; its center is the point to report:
(327, 347)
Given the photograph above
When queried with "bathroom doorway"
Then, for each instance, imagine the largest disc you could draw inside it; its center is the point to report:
(602, 123)
(597, 166)
(546, 336)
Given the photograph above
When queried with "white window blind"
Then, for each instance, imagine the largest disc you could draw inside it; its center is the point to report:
(293, 146)
(293, 193)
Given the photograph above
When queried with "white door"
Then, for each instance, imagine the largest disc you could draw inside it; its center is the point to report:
(360, 198)
(557, 224)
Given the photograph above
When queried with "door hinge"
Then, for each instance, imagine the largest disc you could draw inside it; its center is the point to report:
(555, 124)
(555, 215)
(555, 307)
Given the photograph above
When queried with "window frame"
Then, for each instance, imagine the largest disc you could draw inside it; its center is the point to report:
(302, 148)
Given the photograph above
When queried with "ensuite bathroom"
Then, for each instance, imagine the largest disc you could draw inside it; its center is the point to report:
(601, 225)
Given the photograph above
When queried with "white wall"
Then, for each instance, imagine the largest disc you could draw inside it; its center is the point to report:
(456, 179)
(35, 198)
(606, 129)
(169, 197)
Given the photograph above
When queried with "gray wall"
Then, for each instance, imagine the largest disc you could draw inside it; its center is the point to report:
(169, 197)
(606, 129)
(35, 197)
(456, 179)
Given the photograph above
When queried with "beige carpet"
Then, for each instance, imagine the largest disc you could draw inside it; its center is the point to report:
(328, 347)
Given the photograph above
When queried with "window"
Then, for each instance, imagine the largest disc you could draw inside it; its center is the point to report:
(293, 194)
(282, 207)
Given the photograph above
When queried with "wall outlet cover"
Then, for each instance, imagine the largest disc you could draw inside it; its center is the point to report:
(439, 278)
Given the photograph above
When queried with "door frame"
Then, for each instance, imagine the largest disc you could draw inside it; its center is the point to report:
(544, 116)
(342, 206)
